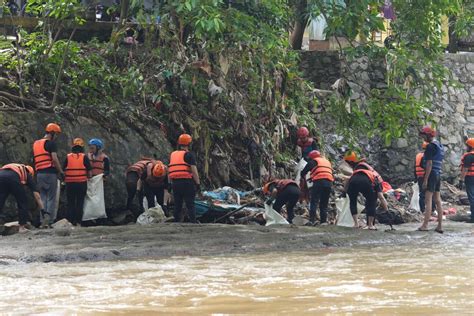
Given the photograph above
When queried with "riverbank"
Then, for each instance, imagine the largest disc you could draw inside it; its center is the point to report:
(168, 240)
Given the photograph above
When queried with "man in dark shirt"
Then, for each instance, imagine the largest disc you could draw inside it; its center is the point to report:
(13, 179)
(467, 174)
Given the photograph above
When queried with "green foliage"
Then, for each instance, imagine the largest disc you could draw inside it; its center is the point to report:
(56, 9)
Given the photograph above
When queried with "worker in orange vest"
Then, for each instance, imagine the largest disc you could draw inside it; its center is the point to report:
(467, 173)
(155, 183)
(283, 192)
(368, 182)
(420, 175)
(321, 173)
(134, 184)
(184, 178)
(13, 178)
(77, 170)
(48, 168)
(100, 162)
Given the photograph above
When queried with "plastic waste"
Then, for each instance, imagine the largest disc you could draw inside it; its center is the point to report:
(301, 164)
(152, 216)
(94, 204)
(273, 217)
(415, 198)
(344, 215)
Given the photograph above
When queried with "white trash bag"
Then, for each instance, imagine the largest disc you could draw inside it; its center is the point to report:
(301, 164)
(152, 216)
(94, 203)
(273, 217)
(344, 215)
(415, 198)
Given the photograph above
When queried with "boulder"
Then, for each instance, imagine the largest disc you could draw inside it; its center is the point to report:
(124, 144)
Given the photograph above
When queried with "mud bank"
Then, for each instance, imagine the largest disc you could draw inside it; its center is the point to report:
(167, 240)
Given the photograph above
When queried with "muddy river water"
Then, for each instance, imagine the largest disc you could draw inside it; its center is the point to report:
(383, 279)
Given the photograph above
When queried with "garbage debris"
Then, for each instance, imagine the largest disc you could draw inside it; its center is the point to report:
(94, 203)
(273, 218)
(153, 215)
(62, 223)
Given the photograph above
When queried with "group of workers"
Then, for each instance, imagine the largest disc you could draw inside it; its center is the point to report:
(152, 179)
(365, 180)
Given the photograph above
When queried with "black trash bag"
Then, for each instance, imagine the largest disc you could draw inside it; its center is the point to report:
(390, 217)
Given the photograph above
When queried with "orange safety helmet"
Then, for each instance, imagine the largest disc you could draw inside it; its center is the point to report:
(351, 157)
(185, 139)
(266, 187)
(302, 132)
(470, 142)
(314, 154)
(78, 142)
(53, 128)
(159, 170)
(424, 145)
(30, 170)
(428, 130)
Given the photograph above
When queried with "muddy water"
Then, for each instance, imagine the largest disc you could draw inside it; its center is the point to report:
(385, 280)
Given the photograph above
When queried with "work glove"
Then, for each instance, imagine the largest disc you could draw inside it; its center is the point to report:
(269, 201)
(461, 185)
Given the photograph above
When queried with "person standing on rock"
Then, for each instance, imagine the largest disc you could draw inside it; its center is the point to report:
(77, 170)
(184, 178)
(100, 162)
(48, 168)
(134, 184)
(13, 178)
(367, 181)
(432, 163)
(305, 142)
(283, 192)
(322, 177)
(467, 174)
(155, 183)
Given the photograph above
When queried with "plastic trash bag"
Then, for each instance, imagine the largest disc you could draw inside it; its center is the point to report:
(301, 164)
(56, 203)
(94, 204)
(152, 216)
(415, 198)
(344, 216)
(273, 217)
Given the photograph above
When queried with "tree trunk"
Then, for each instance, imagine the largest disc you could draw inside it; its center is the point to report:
(453, 39)
(124, 10)
(296, 38)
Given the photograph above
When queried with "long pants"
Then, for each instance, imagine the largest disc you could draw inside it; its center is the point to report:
(360, 183)
(15, 188)
(289, 196)
(469, 181)
(422, 197)
(131, 183)
(75, 192)
(48, 186)
(154, 192)
(184, 190)
(319, 195)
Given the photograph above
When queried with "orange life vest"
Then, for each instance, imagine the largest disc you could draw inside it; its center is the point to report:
(178, 168)
(75, 170)
(470, 169)
(370, 172)
(19, 169)
(43, 158)
(322, 171)
(282, 184)
(139, 167)
(97, 163)
(151, 180)
(419, 170)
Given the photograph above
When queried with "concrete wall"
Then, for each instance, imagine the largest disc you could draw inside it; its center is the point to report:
(453, 109)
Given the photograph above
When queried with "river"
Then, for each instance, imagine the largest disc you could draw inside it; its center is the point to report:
(359, 280)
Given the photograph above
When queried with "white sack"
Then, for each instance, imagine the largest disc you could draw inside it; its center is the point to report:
(273, 217)
(151, 216)
(94, 203)
(344, 216)
(415, 198)
(301, 164)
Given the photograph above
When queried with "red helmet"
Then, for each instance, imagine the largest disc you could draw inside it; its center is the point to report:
(427, 130)
(470, 142)
(159, 169)
(302, 132)
(351, 156)
(185, 139)
(53, 128)
(314, 154)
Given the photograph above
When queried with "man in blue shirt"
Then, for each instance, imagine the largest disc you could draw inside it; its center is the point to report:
(432, 163)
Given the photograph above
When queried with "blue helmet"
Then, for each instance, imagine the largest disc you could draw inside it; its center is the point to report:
(97, 142)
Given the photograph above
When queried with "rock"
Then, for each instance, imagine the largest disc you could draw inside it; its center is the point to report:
(63, 223)
(299, 220)
(401, 143)
(10, 228)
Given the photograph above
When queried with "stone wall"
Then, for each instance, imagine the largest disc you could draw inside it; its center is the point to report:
(453, 110)
(125, 146)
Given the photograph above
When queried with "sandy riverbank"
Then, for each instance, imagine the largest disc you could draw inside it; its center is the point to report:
(167, 240)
